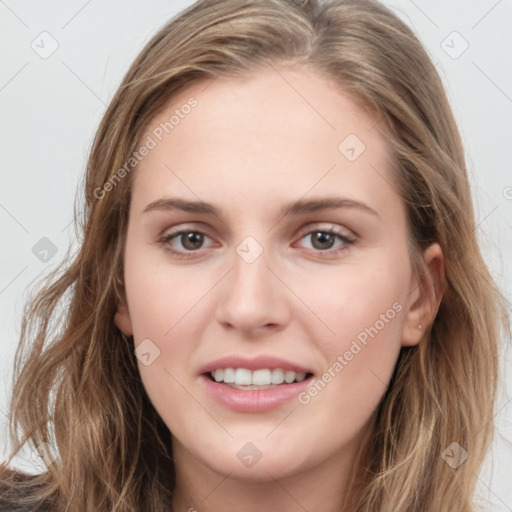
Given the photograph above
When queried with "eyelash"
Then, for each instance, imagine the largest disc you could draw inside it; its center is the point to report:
(347, 241)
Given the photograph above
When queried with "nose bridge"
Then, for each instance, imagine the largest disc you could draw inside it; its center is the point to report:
(251, 297)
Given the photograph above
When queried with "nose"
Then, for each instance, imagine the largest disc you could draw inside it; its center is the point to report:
(252, 299)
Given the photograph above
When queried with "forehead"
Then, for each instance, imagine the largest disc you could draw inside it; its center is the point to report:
(279, 129)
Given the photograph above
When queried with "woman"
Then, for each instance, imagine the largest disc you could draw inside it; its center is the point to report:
(279, 302)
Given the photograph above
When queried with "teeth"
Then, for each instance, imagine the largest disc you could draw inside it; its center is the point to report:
(229, 376)
(243, 377)
(277, 376)
(262, 377)
(289, 377)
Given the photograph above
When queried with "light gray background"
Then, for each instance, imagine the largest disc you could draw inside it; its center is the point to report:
(50, 109)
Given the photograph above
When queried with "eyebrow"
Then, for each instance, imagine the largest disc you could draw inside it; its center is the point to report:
(300, 207)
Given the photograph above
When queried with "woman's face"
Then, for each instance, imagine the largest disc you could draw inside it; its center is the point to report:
(266, 241)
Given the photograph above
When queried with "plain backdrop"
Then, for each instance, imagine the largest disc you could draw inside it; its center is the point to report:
(61, 63)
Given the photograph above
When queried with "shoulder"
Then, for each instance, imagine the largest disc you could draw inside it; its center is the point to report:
(10, 506)
(18, 493)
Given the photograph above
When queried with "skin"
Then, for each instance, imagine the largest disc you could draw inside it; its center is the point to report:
(251, 146)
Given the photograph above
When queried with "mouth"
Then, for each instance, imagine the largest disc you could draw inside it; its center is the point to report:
(260, 379)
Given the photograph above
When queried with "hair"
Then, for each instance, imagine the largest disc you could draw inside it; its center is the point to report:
(76, 383)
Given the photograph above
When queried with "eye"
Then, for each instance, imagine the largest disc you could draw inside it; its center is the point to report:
(184, 241)
(327, 240)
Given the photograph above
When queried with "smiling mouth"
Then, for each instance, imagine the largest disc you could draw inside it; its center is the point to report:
(265, 378)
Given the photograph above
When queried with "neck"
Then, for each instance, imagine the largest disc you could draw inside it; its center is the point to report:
(322, 488)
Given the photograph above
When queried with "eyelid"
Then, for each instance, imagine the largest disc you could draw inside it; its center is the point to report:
(182, 231)
(341, 231)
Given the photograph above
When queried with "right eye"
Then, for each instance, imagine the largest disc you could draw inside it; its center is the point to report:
(184, 241)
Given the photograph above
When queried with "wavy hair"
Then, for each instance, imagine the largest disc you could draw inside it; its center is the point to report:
(77, 390)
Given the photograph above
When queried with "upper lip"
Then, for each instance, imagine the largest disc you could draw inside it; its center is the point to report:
(255, 363)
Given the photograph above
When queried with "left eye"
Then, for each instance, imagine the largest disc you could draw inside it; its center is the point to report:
(326, 240)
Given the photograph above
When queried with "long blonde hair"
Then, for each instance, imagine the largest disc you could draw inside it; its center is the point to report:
(77, 388)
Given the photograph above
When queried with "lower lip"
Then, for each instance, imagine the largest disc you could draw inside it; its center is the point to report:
(256, 400)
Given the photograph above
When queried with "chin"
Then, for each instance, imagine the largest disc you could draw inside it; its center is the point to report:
(263, 471)
(258, 461)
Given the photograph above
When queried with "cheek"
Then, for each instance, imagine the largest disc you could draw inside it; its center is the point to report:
(160, 295)
(364, 310)
(344, 304)
(176, 335)
(169, 309)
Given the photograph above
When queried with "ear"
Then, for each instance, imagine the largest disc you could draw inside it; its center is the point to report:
(424, 296)
(122, 320)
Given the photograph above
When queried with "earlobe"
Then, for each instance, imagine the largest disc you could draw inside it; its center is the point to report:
(426, 296)
(123, 321)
